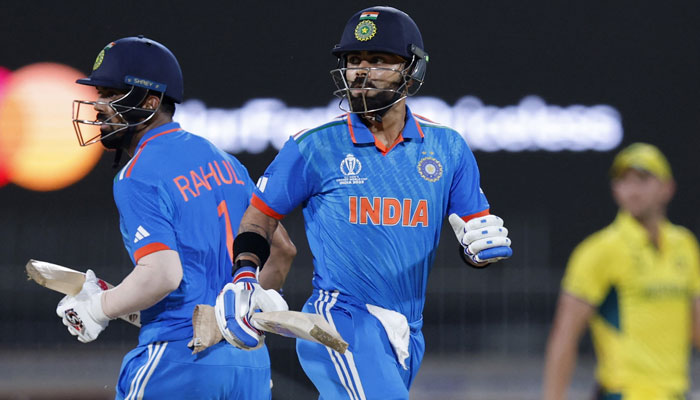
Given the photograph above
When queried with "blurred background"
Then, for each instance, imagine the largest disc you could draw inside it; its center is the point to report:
(545, 92)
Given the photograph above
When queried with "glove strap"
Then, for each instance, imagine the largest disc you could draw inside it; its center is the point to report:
(245, 271)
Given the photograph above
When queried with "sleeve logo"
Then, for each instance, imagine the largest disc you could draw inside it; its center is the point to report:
(141, 233)
(262, 183)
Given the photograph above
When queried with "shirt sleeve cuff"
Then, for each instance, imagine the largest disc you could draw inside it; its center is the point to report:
(148, 249)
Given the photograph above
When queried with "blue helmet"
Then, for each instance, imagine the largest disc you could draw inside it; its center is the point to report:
(386, 30)
(381, 29)
(139, 67)
(137, 61)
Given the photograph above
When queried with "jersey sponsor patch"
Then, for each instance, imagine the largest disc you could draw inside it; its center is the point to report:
(351, 167)
(387, 211)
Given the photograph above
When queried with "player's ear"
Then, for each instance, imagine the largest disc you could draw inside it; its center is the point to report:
(152, 102)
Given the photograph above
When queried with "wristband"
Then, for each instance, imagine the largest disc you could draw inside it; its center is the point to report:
(251, 242)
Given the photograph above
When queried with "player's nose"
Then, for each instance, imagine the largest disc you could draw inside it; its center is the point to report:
(365, 64)
(99, 106)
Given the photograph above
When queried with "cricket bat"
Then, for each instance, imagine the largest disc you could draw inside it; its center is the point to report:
(292, 324)
(68, 281)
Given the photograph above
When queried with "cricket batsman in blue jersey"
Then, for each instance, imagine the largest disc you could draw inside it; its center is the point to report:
(375, 185)
(180, 200)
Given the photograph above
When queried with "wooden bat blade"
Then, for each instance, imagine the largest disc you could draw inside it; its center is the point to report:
(286, 323)
(292, 324)
(300, 325)
(55, 277)
(67, 281)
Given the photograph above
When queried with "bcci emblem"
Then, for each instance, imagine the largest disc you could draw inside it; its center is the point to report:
(365, 30)
(101, 56)
(430, 169)
(351, 167)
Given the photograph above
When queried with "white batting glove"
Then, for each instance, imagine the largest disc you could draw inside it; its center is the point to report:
(485, 239)
(82, 313)
(236, 304)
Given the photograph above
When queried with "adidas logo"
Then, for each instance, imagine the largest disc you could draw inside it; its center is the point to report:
(141, 233)
(262, 183)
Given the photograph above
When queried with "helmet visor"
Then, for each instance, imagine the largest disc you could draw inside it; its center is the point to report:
(87, 122)
(369, 89)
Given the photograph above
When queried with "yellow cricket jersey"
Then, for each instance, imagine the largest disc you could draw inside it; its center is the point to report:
(642, 328)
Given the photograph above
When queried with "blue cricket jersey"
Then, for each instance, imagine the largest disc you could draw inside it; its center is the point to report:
(373, 215)
(180, 192)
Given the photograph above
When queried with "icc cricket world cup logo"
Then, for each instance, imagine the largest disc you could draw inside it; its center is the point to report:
(350, 166)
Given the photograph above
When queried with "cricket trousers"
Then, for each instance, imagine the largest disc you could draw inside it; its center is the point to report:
(169, 370)
(369, 369)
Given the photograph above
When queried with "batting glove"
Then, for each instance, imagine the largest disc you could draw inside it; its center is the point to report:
(484, 239)
(82, 313)
(236, 304)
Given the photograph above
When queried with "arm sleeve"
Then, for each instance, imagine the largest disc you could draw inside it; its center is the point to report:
(286, 183)
(588, 275)
(146, 216)
(466, 197)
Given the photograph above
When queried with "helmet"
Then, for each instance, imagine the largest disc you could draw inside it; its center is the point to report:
(140, 67)
(386, 30)
(137, 61)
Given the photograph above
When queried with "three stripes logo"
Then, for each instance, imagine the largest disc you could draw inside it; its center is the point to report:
(141, 233)
(262, 183)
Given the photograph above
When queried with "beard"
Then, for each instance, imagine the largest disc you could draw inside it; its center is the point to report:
(112, 142)
(109, 139)
(379, 99)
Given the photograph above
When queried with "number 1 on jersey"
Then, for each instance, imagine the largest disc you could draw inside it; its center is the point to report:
(223, 210)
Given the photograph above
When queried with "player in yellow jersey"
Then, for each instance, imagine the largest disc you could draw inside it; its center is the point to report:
(636, 283)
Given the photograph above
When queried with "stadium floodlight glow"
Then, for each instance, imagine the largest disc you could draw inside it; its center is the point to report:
(528, 126)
